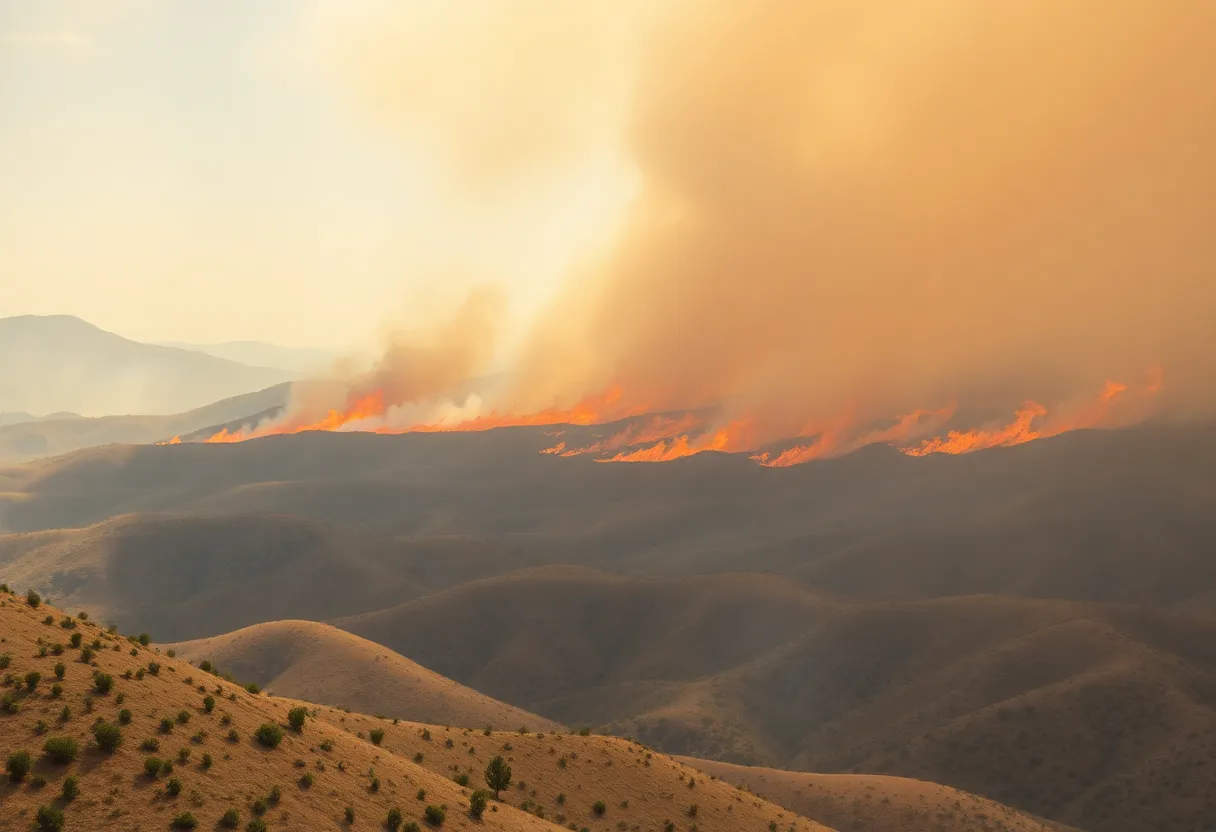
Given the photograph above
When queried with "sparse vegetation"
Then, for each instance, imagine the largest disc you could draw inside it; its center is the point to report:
(394, 819)
(34, 600)
(184, 821)
(231, 819)
(108, 736)
(297, 716)
(103, 683)
(49, 818)
(477, 803)
(435, 815)
(376, 735)
(71, 789)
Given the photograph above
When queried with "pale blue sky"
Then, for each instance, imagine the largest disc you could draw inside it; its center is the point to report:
(201, 171)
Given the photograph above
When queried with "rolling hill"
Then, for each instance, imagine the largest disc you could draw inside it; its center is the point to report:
(61, 363)
(874, 803)
(1098, 716)
(217, 765)
(318, 663)
(1067, 517)
(38, 437)
(190, 577)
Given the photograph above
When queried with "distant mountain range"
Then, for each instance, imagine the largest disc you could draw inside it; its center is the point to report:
(60, 363)
(297, 360)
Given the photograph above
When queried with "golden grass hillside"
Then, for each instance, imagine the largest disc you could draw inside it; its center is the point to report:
(217, 765)
(564, 776)
(876, 803)
(320, 663)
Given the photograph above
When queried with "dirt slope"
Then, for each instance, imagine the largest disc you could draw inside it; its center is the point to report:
(875, 803)
(319, 663)
(117, 794)
(562, 776)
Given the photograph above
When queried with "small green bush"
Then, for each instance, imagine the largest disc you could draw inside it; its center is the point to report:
(256, 825)
(9, 704)
(71, 789)
(183, 717)
(306, 781)
(56, 690)
(394, 819)
(435, 815)
(152, 766)
(461, 779)
(61, 670)
(49, 818)
(150, 744)
(296, 717)
(108, 736)
(183, 755)
(67, 623)
(166, 725)
(103, 683)
(233, 736)
(5, 660)
(32, 679)
(154, 668)
(18, 765)
(276, 794)
(62, 750)
(376, 735)
(254, 688)
(144, 639)
(206, 761)
(208, 703)
(184, 821)
(260, 806)
(230, 819)
(33, 599)
(86, 655)
(65, 714)
(599, 807)
(124, 716)
(269, 734)
(350, 814)
(477, 803)
(173, 787)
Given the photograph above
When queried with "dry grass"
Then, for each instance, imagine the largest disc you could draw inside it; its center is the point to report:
(562, 776)
(320, 663)
(116, 794)
(875, 803)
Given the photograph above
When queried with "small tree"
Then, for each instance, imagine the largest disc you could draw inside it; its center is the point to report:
(32, 679)
(33, 599)
(435, 815)
(60, 670)
(394, 819)
(230, 819)
(152, 766)
(184, 821)
(498, 775)
(296, 717)
(208, 703)
(376, 735)
(477, 803)
(71, 789)
(103, 682)
(18, 765)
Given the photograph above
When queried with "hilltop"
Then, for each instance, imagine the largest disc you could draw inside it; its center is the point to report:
(216, 762)
(319, 663)
(61, 363)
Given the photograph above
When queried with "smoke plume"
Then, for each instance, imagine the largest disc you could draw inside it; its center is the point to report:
(855, 212)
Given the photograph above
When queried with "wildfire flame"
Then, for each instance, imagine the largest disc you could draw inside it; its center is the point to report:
(663, 437)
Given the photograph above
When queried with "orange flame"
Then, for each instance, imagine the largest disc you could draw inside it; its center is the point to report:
(733, 437)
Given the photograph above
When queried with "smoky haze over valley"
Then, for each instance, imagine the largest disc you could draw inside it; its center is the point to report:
(608, 416)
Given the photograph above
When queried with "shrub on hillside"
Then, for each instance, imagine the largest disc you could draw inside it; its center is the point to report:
(49, 818)
(350, 814)
(75, 641)
(256, 825)
(184, 821)
(435, 815)
(166, 725)
(33, 599)
(62, 750)
(86, 655)
(18, 765)
(230, 819)
(108, 736)
(61, 670)
(150, 744)
(394, 819)
(144, 639)
(376, 735)
(183, 717)
(477, 803)
(5, 660)
(124, 716)
(599, 807)
(173, 787)
(152, 766)
(269, 734)
(32, 679)
(71, 789)
(103, 683)
(208, 703)
(296, 717)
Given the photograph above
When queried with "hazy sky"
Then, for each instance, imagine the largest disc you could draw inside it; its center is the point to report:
(234, 170)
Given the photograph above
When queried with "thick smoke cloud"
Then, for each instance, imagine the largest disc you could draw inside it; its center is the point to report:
(849, 211)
